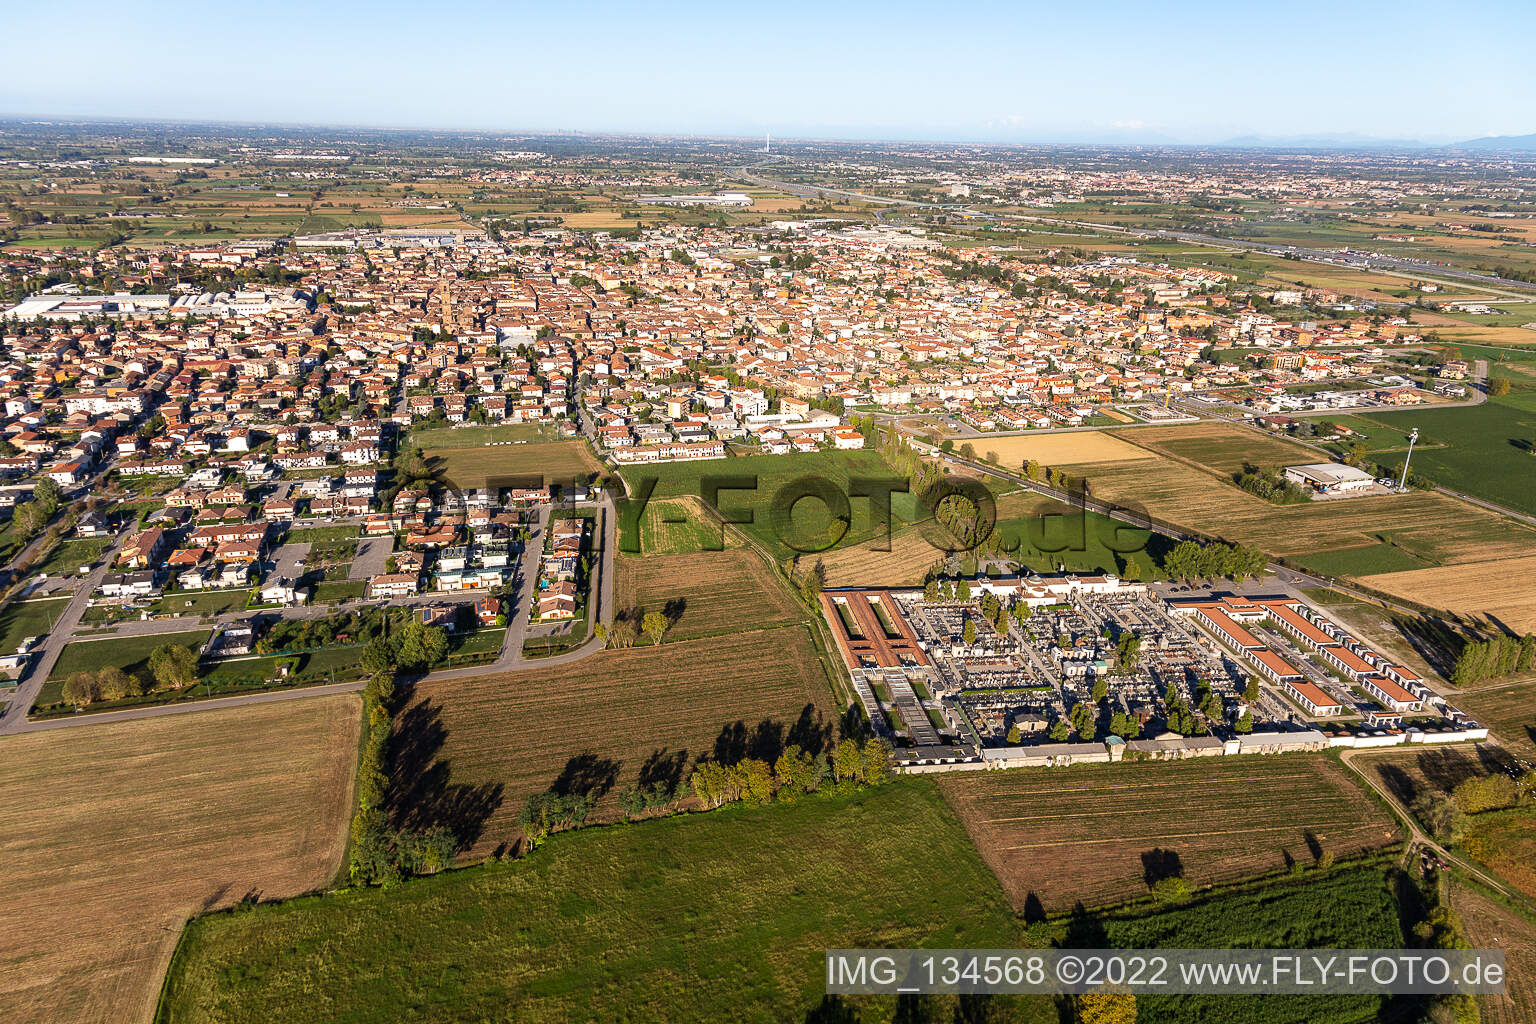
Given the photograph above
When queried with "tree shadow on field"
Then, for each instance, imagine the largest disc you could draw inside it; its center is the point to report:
(664, 770)
(1446, 769)
(1158, 864)
(811, 732)
(586, 775)
(1398, 782)
(832, 1009)
(1084, 930)
(421, 793)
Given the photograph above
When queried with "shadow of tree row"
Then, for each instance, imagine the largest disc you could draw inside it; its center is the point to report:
(423, 795)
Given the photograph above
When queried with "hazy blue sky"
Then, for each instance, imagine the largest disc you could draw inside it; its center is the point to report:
(1066, 71)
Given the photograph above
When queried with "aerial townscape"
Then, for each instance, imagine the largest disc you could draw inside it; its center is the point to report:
(476, 572)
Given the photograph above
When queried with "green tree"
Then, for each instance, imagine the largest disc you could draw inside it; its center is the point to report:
(80, 689)
(847, 761)
(655, 626)
(173, 666)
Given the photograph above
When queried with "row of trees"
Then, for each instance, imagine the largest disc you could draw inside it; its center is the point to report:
(378, 854)
(624, 632)
(171, 666)
(1191, 560)
(751, 781)
(1499, 655)
(31, 518)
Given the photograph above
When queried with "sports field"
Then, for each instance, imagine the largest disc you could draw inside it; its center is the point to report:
(487, 744)
(556, 462)
(703, 917)
(112, 835)
(705, 593)
(1098, 833)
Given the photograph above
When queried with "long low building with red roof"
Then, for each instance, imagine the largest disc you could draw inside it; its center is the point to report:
(1394, 687)
(870, 630)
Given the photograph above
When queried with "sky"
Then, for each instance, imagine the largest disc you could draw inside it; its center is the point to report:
(1201, 71)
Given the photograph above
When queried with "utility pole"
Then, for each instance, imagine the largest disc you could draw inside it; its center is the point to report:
(1413, 436)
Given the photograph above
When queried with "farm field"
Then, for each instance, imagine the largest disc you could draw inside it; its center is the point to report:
(1484, 451)
(807, 526)
(500, 738)
(1035, 531)
(718, 916)
(1491, 925)
(1095, 833)
(1354, 905)
(672, 526)
(710, 592)
(1053, 449)
(113, 835)
(1508, 710)
(556, 462)
(1501, 589)
(1430, 526)
(475, 435)
(1221, 447)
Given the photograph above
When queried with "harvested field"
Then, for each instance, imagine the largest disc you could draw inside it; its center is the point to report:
(1057, 449)
(706, 593)
(1501, 589)
(558, 462)
(1491, 925)
(1432, 526)
(113, 835)
(1509, 711)
(1221, 447)
(1099, 833)
(500, 738)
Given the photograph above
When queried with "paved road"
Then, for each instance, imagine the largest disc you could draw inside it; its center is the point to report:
(510, 658)
(14, 718)
(161, 710)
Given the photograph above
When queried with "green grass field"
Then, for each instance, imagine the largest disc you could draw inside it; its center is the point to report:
(769, 489)
(1362, 561)
(1353, 906)
(1486, 452)
(22, 619)
(71, 554)
(477, 436)
(718, 916)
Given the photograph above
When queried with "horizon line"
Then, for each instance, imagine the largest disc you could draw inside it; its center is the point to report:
(1321, 141)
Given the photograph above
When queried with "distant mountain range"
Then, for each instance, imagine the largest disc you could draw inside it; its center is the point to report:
(1500, 143)
(1350, 140)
